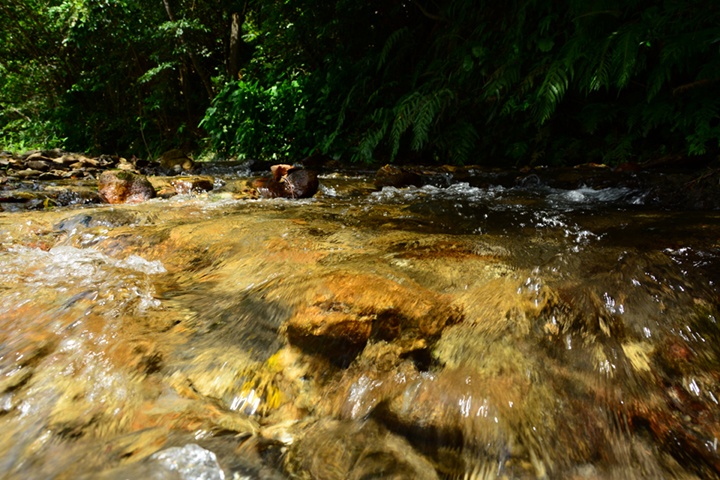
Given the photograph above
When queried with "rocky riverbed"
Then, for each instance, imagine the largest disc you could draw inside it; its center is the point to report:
(51, 178)
(417, 323)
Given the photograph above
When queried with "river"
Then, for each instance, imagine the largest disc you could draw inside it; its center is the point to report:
(496, 326)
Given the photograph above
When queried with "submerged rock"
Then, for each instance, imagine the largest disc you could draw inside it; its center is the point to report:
(116, 186)
(336, 450)
(348, 310)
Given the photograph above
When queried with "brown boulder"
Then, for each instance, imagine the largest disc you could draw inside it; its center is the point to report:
(117, 186)
(288, 182)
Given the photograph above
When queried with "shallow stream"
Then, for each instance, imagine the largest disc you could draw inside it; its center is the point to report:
(474, 329)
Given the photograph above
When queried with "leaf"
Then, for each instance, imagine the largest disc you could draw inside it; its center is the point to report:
(545, 44)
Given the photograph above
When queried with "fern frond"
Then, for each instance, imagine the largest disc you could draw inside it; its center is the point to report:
(427, 111)
(626, 53)
(403, 118)
(602, 73)
(372, 138)
(551, 91)
(389, 44)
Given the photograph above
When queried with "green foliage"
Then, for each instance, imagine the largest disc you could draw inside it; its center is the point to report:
(249, 120)
(461, 81)
(108, 75)
(468, 81)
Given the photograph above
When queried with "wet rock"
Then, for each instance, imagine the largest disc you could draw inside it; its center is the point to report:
(189, 185)
(78, 197)
(392, 176)
(67, 160)
(288, 182)
(35, 155)
(175, 161)
(117, 186)
(530, 181)
(123, 164)
(628, 167)
(54, 153)
(337, 450)
(28, 173)
(348, 310)
(41, 165)
(99, 218)
(49, 176)
(14, 196)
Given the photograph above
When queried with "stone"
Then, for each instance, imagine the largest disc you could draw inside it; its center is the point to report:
(392, 176)
(28, 173)
(117, 186)
(176, 161)
(49, 176)
(190, 185)
(288, 182)
(41, 165)
(349, 310)
(339, 450)
(54, 153)
(123, 164)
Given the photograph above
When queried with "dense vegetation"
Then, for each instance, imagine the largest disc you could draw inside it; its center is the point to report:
(527, 82)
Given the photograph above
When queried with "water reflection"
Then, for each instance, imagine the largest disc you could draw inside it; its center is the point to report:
(485, 329)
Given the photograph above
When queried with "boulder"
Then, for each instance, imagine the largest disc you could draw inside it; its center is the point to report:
(349, 310)
(117, 186)
(392, 176)
(288, 182)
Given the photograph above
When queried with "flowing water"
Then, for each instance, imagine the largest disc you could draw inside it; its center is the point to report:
(473, 329)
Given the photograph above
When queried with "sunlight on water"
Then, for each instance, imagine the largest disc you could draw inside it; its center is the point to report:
(498, 327)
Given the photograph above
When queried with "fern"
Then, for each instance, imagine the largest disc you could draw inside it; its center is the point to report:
(372, 137)
(394, 38)
(602, 73)
(626, 53)
(553, 88)
(426, 112)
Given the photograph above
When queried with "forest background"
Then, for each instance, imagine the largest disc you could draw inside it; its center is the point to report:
(534, 82)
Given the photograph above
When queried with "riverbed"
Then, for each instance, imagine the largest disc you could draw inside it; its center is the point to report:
(500, 325)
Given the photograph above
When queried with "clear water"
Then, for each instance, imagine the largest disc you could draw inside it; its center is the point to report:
(470, 331)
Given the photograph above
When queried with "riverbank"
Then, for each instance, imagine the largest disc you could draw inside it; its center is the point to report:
(54, 178)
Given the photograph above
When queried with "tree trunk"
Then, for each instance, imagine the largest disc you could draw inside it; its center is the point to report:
(203, 76)
(234, 60)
